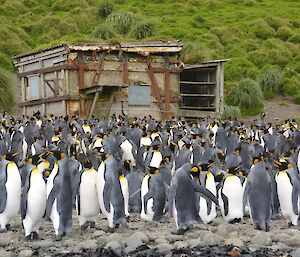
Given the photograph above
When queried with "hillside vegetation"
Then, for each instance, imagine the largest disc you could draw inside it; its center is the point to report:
(261, 37)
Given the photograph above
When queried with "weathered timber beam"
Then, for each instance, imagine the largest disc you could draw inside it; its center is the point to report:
(48, 100)
(96, 97)
(47, 70)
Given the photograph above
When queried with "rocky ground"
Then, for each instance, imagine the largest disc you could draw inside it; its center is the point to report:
(153, 239)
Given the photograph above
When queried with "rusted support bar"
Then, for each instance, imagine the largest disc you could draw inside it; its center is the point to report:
(154, 87)
(99, 67)
(163, 69)
(125, 70)
(96, 97)
(81, 75)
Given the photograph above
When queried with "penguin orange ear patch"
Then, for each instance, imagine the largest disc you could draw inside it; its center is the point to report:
(156, 172)
(290, 166)
(195, 169)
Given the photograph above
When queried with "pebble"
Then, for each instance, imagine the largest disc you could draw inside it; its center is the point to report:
(142, 236)
(88, 244)
(114, 237)
(280, 247)
(296, 253)
(42, 244)
(255, 247)
(98, 233)
(180, 244)
(293, 242)
(134, 241)
(4, 253)
(175, 238)
(196, 242)
(25, 253)
(210, 238)
(127, 250)
(164, 248)
(161, 240)
(262, 239)
(235, 242)
(115, 246)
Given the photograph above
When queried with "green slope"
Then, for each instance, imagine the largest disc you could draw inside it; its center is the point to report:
(257, 35)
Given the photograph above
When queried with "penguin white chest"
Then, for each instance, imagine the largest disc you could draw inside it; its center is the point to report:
(100, 186)
(125, 192)
(89, 204)
(156, 159)
(233, 191)
(285, 191)
(126, 147)
(13, 188)
(36, 199)
(149, 205)
(203, 211)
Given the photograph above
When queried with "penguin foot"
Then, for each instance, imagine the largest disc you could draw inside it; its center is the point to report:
(35, 235)
(275, 216)
(236, 220)
(8, 227)
(58, 237)
(27, 238)
(92, 224)
(3, 230)
(290, 224)
(83, 228)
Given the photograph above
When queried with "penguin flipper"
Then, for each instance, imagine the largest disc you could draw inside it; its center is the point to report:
(246, 192)
(24, 202)
(147, 197)
(3, 191)
(50, 201)
(205, 193)
(107, 194)
(295, 197)
(209, 206)
(225, 203)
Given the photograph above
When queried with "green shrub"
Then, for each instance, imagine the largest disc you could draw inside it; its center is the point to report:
(143, 30)
(195, 52)
(104, 9)
(296, 98)
(103, 31)
(275, 22)
(239, 68)
(122, 21)
(291, 86)
(231, 112)
(270, 82)
(246, 94)
(261, 29)
(6, 92)
(295, 38)
(284, 33)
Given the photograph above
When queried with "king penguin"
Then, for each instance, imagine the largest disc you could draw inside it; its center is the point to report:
(258, 193)
(87, 204)
(10, 191)
(33, 200)
(288, 189)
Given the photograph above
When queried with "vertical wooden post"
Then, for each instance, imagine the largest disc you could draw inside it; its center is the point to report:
(81, 75)
(221, 87)
(96, 97)
(217, 89)
(167, 89)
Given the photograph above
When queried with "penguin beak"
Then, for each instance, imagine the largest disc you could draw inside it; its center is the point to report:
(15, 154)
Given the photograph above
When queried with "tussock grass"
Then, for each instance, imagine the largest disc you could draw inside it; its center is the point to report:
(6, 92)
(270, 82)
(231, 112)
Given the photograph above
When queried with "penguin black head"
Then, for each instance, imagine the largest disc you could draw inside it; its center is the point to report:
(283, 164)
(58, 154)
(195, 171)
(257, 159)
(87, 163)
(10, 156)
(152, 170)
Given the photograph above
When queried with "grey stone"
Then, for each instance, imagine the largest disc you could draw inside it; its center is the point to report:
(115, 246)
(234, 241)
(161, 240)
(114, 237)
(196, 242)
(142, 236)
(42, 244)
(279, 237)
(296, 253)
(224, 229)
(88, 244)
(134, 241)
(69, 242)
(175, 238)
(164, 248)
(25, 253)
(98, 233)
(255, 247)
(211, 239)
(4, 253)
(127, 250)
(262, 238)
(180, 244)
(280, 247)
(294, 241)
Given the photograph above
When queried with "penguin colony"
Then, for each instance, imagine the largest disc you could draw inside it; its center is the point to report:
(192, 170)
